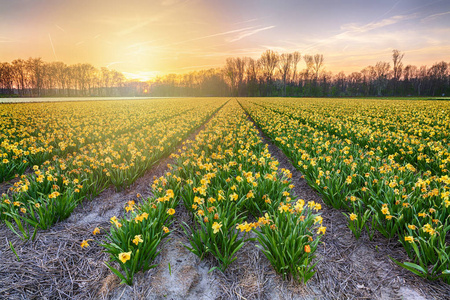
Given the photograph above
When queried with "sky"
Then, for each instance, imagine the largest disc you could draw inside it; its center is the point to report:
(143, 39)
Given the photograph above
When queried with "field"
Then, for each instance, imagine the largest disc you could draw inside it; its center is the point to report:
(205, 198)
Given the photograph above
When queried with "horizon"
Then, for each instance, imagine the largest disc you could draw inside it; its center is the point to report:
(149, 38)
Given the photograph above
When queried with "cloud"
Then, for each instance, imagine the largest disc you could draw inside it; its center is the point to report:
(432, 17)
(246, 21)
(114, 63)
(171, 2)
(60, 28)
(354, 28)
(133, 28)
(214, 35)
(247, 33)
(4, 39)
(358, 33)
(53, 47)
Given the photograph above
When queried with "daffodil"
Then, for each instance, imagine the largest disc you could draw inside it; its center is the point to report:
(124, 256)
(137, 239)
(216, 226)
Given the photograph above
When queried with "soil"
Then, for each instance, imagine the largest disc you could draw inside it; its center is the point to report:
(54, 266)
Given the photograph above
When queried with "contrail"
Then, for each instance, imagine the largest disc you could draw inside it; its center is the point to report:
(53, 48)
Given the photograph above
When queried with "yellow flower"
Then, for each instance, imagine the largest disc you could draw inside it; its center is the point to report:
(165, 229)
(409, 239)
(96, 230)
(321, 229)
(137, 239)
(115, 222)
(317, 207)
(124, 256)
(318, 219)
(170, 193)
(84, 244)
(171, 211)
(283, 208)
(233, 197)
(413, 227)
(353, 217)
(216, 226)
(23, 210)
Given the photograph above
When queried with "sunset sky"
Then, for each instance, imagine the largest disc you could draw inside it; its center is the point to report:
(146, 38)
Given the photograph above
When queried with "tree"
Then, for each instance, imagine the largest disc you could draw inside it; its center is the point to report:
(6, 78)
(382, 72)
(318, 64)
(285, 64)
(240, 71)
(18, 66)
(231, 73)
(296, 56)
(252, 76)
(397, 67)
(268, 62)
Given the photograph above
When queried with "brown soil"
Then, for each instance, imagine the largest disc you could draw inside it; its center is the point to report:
(55, 267)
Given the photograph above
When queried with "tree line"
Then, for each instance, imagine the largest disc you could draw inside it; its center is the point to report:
(35, 78)
(273, 74)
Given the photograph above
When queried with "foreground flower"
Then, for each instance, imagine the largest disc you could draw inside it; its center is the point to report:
(307, 249)
(124, 256)
(84, 244)
(321, 229)
(353, 217)
(171, 211)
(115, 222)
(137, 239)
(409, 239)
(96, 230)
(216, 226)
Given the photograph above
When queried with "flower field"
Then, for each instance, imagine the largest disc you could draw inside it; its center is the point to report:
(76, 150)
(386, 164)
(383, 164)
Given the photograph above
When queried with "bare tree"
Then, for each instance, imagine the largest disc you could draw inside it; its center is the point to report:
(6, 77)
(252, 76)
(231, 73)
(284, 66)
(397, 63)
(19, 75)
(397, 67)
(382, 72)
(296, 56)
(240, 71)
(268, 62)
(309, 61)
(318, 64)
